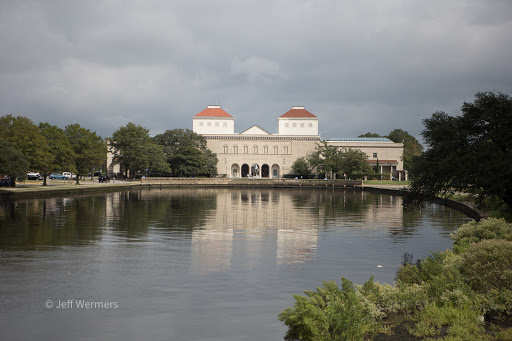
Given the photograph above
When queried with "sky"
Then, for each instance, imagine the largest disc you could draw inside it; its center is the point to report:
(360, 66)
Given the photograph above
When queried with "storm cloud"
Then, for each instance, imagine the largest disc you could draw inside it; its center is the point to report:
(359, 66)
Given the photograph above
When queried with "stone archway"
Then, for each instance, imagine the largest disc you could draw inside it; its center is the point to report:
(245, 170)
(275, 171)
(235, 171)
(265, 171)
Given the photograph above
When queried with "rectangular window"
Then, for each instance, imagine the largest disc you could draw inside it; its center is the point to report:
(302, 125)
(209, 124)
(216, 124)
(286, 125)
(374, 154)
(310, 125)
(200, 124)
(225, 124)
(294, 125)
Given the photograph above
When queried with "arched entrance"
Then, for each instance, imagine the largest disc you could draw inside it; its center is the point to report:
(245, 170)
(235, 171)
(275, 171)
(265, 171)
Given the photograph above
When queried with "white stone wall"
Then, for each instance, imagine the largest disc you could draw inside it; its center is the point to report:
(213, 125)
(277, 152)
(298, 126)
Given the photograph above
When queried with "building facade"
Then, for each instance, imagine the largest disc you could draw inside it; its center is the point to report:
(256, 152)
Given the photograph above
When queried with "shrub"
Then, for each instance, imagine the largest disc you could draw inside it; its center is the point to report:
(474, 232)
(330, 313)
(462, 322)
(488, 265)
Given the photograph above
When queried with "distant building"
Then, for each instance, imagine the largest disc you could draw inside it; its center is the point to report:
(259, 153)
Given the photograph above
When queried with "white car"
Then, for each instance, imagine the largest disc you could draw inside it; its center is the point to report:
(69, 175)
(34, 176)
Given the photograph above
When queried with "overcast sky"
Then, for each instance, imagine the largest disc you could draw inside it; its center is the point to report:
(358, 65)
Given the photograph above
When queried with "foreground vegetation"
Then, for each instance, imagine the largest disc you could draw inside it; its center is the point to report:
(460, 294)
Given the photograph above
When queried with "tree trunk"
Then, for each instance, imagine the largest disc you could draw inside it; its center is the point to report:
(45, 175)
(77, 179)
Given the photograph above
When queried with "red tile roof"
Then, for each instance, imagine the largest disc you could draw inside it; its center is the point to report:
(213, 111)
(298, 112)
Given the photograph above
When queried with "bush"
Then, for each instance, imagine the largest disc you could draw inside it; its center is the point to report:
(330, 313)
(487, 268)
(474, 232)
(488, 265)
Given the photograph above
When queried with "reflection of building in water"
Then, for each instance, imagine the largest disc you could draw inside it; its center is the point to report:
(387, 211)
(248, 224)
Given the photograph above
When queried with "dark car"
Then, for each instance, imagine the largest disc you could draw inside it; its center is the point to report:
(103, 178)
(6, 183)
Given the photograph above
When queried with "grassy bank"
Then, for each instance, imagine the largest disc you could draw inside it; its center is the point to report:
(460, 294)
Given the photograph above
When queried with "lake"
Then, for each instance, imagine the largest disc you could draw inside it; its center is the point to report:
(195, 264)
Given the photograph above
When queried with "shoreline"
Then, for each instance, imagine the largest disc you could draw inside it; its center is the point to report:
(37, 191)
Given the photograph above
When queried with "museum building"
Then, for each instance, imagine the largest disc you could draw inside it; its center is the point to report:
(256, 152)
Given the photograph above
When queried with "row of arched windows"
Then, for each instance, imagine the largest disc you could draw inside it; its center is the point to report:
(254, 150)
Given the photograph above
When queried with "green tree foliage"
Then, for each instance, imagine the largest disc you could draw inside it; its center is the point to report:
(62, 155)
(301, 167)
(12, 162)
(412, 148)
(90, 149)
(332, 160)
(186, 153)
(368, 134)
(330, 313)
(471, 153)
(25, 136)
(136, 151)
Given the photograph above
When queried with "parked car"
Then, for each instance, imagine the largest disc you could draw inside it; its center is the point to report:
(69, 175)
(34, 176)
(58, 176)
(6, 182)
(104, 178)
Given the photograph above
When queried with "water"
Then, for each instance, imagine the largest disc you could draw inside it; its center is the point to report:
(195, 264)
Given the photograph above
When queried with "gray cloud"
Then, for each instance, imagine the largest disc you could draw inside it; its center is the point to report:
(366, 66)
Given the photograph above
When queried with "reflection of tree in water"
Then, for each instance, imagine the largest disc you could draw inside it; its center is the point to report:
(51, 222)
(174, 210)
(331, 204)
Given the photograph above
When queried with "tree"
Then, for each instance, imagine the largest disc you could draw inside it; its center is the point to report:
(301, 167)
(90, 149)
(136, 151)
(25, 136)
(62, 155)
(412, 147)
(368, 134)
(354, 163)
(325, 159)
(332, 160)
(186, 153)
(471, 153)
(12, 162)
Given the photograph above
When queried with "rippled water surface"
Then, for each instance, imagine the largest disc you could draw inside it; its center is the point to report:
(194, 264)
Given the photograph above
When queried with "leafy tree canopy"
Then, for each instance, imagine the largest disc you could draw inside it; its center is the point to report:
(368, 134)
(62, 155)
(412, 147)
(186, 153)
(13, 163)
(332, 160)
(90, 150)
(301, 166)
(136, 151)
(25, 136)
(471, 153)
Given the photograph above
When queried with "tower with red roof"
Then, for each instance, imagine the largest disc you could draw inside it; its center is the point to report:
(298, 121)
(212, 121)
